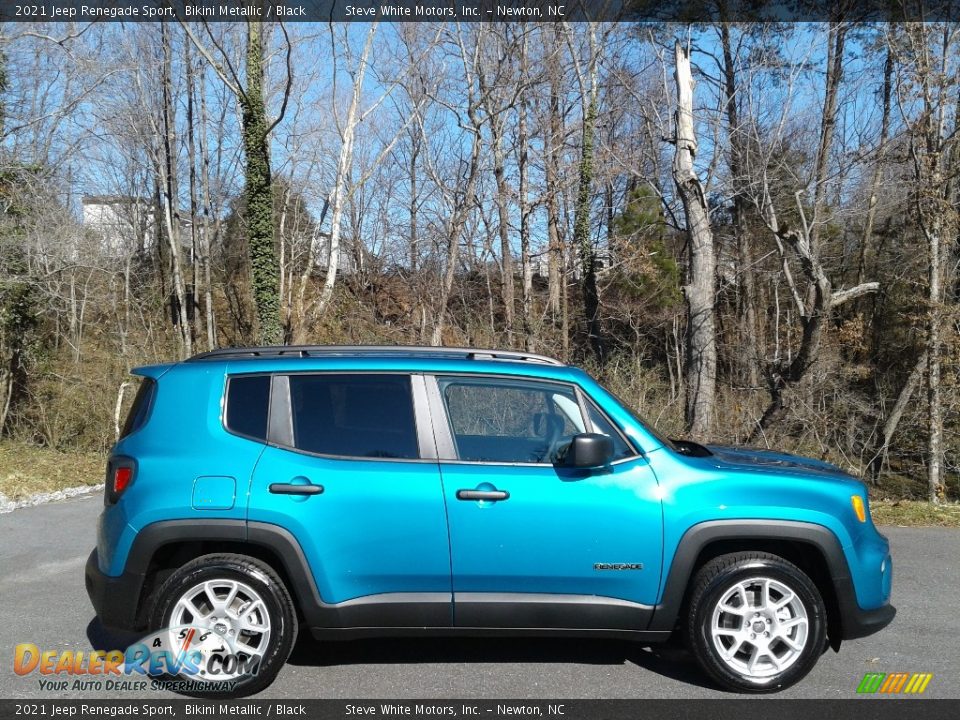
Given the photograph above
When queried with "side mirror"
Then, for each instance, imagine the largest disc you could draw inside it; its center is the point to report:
(589, 450)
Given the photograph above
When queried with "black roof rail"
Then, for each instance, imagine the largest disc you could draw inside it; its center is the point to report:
(303, 351)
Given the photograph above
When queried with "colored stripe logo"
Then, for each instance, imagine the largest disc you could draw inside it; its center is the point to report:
(894, 683)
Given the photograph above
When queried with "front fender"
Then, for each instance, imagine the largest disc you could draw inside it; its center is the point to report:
(851, 621)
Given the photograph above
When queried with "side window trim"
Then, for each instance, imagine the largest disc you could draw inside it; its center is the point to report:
(280, 419)
(426, 433)
(584, 411)
(440, 420)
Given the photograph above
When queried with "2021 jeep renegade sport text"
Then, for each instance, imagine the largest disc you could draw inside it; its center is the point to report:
(358, 491)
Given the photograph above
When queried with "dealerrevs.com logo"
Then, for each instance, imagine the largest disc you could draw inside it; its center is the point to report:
(895, 683)
(182, 659)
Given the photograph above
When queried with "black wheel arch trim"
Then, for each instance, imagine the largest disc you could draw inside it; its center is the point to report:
(853, 621)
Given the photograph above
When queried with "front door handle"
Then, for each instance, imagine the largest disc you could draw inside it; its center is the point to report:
(293, 489)
(482, 495)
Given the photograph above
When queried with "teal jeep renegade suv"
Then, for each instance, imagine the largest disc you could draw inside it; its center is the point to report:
(365, 491)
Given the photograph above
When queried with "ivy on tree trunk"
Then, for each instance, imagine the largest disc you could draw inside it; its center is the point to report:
(258, 193)
(581, 236)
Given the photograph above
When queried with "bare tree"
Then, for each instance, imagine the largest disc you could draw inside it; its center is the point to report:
(462, 200)
(523, 150)
(170, 197)
(736, 136)
(344, 162)
(700, 290)
(345, 184)
(553, 140)
(929, 150)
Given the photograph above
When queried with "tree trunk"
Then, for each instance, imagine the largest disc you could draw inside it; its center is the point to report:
(893, 419)
(937, 219)
(934, 363)
(581, 217)
(418, 308)
(507, 291)
(565, 308)
(836, 40)
(552, 140)
(458, 220)
(749, 356)
(171, 203)
(209, 218)
(526, 263)
(258, 193)
(877, 166)
(415, 140)
(192, 181)
(700, 290)
(791, 370)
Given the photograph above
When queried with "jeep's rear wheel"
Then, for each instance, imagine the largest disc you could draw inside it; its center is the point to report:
(244, 602)
(757, 623)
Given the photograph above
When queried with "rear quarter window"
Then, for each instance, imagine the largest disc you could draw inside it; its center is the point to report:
(140, 407)
(248, 404)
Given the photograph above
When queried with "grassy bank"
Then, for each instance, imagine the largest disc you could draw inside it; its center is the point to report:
(26, 469)
(906, 513)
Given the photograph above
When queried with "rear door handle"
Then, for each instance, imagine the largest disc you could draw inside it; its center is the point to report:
(482, 495)
(292, 489)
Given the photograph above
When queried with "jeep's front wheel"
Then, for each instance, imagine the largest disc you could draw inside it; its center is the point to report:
(757, 623)
(244, 618)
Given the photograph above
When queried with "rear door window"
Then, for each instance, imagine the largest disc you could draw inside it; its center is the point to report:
(368, 416)
(248, 404)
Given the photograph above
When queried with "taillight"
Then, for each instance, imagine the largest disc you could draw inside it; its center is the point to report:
(121, 478)
(121, 471)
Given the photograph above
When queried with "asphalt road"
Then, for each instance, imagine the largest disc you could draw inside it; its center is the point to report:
(42, 600)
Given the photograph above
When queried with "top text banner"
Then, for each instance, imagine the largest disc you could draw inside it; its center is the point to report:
(686, 11)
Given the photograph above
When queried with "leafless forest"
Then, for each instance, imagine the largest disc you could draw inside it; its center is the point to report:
(748, 231)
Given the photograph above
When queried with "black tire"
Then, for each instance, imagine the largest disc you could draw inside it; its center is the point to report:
(258, 576)
(719, 580)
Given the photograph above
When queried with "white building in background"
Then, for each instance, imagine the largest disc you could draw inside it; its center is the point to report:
(124, 224)
(541, 262)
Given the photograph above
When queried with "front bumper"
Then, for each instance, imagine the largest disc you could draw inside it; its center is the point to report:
(871, 564)
(115, 599)
(858, 623)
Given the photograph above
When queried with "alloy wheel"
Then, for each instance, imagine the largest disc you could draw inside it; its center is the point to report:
(233, 610)
(759, 628)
